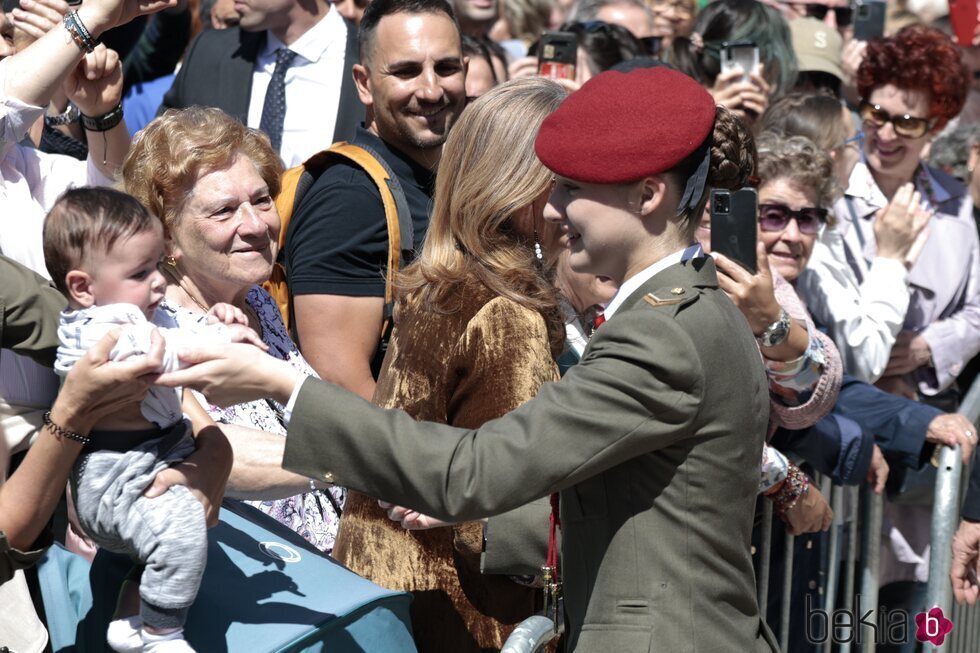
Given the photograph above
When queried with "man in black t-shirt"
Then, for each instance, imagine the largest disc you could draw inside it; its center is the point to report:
(410, 77)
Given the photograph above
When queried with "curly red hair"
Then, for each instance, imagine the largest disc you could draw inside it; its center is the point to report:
(918, 58)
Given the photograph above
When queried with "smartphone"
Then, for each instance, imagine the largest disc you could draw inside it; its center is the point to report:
(869, 20)
(557, 55)
(964, 19)
(743, 55)
(734, 216)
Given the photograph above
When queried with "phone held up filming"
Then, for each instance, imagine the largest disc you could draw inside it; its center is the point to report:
(557, 54)
(740, 55)
(734, 216)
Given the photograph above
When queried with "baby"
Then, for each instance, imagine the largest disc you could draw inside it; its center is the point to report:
(102, 248)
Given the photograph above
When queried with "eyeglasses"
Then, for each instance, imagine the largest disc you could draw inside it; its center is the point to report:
(905, 126)
(842, 15)
(775, 217)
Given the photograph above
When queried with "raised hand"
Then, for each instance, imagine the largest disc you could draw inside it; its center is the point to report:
(96, 83)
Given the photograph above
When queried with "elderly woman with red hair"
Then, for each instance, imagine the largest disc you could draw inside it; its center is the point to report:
(911, 85)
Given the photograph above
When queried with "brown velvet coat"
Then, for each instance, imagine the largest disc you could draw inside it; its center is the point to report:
(462, 369)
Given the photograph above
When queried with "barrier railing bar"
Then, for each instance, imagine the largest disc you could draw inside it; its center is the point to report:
(787, 597)
(872, 514)
(850, 569)
(950, 479)
(945, 517)
(765, 555)
(833, 564)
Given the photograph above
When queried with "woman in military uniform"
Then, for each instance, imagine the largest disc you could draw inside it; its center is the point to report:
(653, 440)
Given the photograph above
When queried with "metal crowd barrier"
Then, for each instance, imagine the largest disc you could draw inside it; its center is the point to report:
(863, 532)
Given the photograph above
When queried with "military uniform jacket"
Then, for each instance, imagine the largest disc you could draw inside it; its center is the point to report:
(653, 440)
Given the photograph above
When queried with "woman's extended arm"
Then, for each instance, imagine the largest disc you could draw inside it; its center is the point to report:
(92, 390)
(258, 473)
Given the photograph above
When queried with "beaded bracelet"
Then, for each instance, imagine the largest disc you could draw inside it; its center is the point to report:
(62, 432)
(794, 486)
(79, 33)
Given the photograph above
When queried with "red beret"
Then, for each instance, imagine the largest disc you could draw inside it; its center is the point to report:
(621, 127)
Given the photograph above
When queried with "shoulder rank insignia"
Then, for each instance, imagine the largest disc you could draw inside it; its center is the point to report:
(666, 296)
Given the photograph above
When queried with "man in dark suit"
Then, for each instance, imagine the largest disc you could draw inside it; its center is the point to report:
(233, 69)
(653, 440)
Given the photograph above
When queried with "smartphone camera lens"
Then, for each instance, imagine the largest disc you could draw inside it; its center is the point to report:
(864, 11)
(721, 203)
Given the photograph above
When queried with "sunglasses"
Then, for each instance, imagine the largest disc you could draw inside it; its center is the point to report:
(905, 126)
(842, 15)
(775, 217)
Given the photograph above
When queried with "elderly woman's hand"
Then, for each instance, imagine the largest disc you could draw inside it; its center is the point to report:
(753, 294)
(244, 334)
(223, 313)
(811, 513)
(899, 225)
(952, 429)
(205, 472)
(877, 471)
(910, 352)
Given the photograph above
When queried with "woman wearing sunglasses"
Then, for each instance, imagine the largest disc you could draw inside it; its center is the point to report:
(863, 315)
(913, 83)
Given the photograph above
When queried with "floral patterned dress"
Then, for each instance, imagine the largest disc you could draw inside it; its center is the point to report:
(314, 515)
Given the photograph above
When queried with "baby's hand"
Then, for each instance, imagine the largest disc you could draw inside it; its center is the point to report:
(226, 314)
(239, 333)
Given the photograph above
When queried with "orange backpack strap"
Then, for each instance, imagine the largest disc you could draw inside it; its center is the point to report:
(296, 181)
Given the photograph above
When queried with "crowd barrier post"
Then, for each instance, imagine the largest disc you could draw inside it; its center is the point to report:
(945, 517)
(872, 513)
(950, 479)
(765, 555)
(832, 565)
(850, 567)
(787, 597)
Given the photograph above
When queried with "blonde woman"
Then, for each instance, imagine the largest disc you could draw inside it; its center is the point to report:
(478, 328)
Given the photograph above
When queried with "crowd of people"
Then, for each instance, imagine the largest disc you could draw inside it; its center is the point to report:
(463, 327)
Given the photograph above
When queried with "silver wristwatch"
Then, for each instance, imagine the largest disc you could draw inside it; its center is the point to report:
(776, 332)
(68, 116)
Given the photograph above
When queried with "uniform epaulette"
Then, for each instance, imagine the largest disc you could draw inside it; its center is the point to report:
(670, 296)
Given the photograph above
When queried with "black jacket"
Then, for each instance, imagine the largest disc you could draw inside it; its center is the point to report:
(217, 72)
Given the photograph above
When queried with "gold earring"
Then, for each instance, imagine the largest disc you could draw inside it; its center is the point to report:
(171, 261)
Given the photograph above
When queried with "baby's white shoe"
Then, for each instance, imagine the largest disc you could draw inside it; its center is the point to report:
(168, 643)
(123, 635)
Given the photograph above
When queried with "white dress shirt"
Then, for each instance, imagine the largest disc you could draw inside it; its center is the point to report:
(312, 87)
